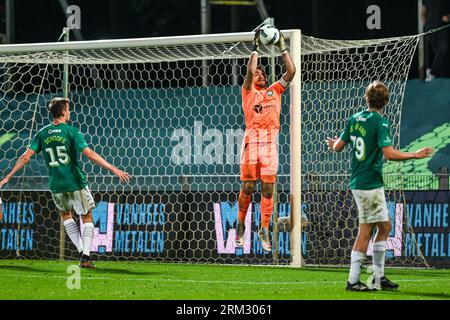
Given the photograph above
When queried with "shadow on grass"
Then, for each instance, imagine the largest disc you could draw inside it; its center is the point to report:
(102, 270)
(326, 270)
(99, 270)
(28, 269)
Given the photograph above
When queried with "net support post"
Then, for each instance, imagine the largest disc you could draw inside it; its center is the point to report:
(421, 50)
(295, 150)
(62, 233)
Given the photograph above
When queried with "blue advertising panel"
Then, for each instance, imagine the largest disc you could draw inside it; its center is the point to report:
(201, 227)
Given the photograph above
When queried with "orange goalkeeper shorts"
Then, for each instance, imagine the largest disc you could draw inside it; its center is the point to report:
(259, 161)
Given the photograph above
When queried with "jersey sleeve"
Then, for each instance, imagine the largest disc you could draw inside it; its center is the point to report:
(345, 135)
(278, 87)
(80, 143)
(36, 144)
(383, 133)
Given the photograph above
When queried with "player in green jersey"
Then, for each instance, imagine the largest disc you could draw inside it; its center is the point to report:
(368, 133)
(61, 144)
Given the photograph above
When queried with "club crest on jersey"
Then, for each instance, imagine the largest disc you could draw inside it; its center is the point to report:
(270, 93)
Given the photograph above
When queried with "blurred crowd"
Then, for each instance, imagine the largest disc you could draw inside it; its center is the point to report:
(436, 14)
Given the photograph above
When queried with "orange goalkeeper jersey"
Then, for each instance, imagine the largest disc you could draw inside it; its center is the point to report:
(262, 113)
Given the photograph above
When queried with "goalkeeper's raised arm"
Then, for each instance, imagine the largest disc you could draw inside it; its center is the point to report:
(287, 59)
(261, 79)
(252, 65)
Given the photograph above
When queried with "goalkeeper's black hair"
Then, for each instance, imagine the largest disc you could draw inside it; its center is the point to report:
(260, 67)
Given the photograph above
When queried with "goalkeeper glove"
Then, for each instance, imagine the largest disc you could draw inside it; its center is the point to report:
(256, 41)
(281, 44)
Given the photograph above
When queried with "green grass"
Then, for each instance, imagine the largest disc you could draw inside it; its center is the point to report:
(35, 279)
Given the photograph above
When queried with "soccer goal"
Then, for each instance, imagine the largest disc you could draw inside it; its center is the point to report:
(168, 111)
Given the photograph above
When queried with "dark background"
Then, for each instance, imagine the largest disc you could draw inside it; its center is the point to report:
(39, 21)
(42, 21)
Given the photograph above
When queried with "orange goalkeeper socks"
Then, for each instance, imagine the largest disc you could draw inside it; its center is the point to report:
(244, 202)
(266, 211)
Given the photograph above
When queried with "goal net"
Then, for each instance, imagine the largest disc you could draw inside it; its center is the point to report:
(168, 111)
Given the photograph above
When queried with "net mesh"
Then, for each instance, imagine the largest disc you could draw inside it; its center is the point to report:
(171, 116)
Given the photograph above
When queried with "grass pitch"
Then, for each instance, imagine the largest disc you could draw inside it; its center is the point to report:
(42, 280)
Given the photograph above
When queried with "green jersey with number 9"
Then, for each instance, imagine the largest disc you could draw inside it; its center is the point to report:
(61, 145)
(368, 133)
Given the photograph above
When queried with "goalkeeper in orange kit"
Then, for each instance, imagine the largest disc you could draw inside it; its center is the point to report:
(261, 104)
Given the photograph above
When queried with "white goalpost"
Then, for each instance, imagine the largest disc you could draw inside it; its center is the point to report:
(296, 151)
(151, 107)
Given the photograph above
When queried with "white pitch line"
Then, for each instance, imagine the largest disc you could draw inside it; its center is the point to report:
(149, 279)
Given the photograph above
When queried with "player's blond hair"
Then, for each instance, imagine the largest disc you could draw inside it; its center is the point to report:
(377, 95)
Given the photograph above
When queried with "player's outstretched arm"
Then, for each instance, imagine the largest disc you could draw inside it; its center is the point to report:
(287, 59)
(98, 159)
(20, 163)
(290, 67)
(396, 155)
(335, 144)
(252, 63)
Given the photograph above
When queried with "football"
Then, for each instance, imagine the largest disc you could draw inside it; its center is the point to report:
(269, 35)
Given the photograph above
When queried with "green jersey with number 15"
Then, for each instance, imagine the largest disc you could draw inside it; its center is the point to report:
(369, 133)
(61, 145)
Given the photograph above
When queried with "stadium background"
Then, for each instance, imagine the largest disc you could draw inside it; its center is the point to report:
(425, 117)
(115, 19)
